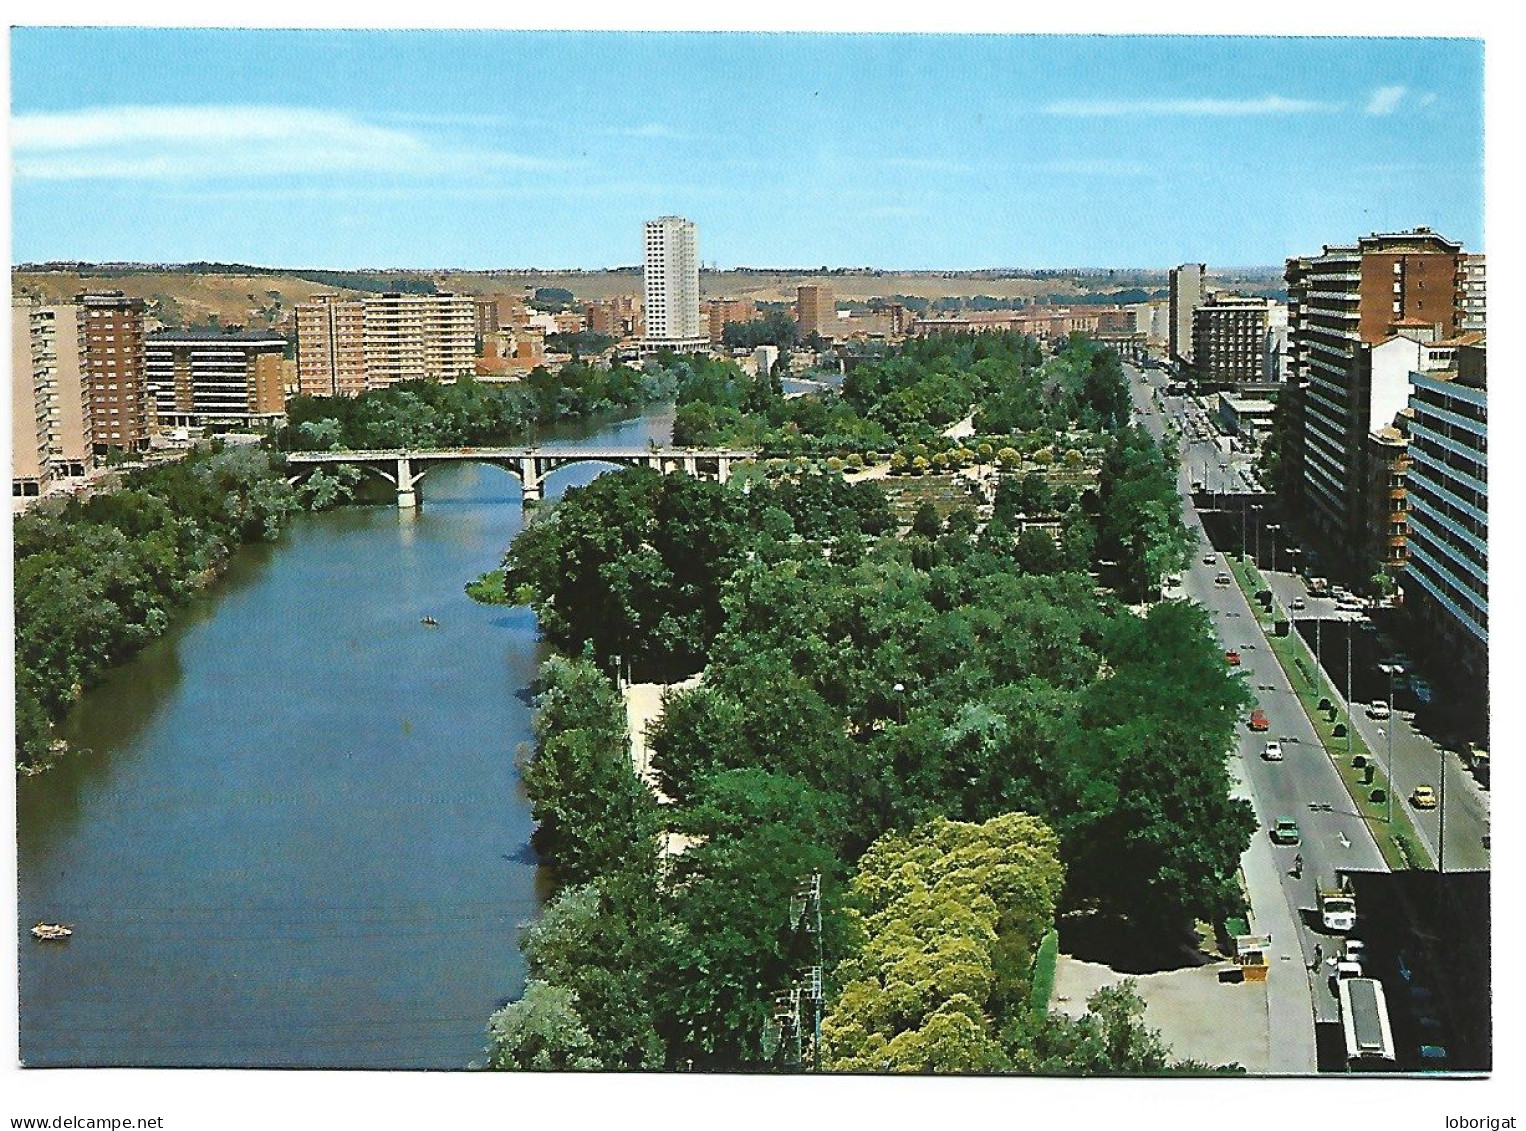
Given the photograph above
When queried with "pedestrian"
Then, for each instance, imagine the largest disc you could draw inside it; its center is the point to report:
(1319, 957)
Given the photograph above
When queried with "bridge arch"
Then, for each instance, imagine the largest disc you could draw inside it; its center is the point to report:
(405, 469)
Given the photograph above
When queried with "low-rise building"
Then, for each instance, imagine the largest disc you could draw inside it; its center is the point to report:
(1247, 417)
(718, 313)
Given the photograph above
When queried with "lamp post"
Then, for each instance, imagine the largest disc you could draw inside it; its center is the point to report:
(1441, 814)
(1274, 527)
(1256, 510)
(1350, 725)
(1391, 670)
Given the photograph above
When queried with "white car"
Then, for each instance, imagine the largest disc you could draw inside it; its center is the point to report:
(1272, 751)
(1378, 709)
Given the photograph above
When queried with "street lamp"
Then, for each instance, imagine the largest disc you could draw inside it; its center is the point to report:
(1274, 527)
(1256, 510)
(1391, 670)
(1350, 724)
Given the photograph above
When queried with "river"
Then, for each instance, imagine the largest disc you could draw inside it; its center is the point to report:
(298, 837)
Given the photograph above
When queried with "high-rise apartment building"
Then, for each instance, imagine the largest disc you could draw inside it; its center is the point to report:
(1474, 295)
(206, 378)
(116, 371)
(331, 334)
(1229, 341)
(815, 310)
(1344, 305)
(670, 274)
(1188, 292)
(50, 398)
(1447, 572)
(31, 408)
(417, 337)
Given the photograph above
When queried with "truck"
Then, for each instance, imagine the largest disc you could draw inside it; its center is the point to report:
(1337, 906)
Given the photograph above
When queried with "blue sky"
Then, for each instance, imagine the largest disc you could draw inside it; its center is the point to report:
(504, 149)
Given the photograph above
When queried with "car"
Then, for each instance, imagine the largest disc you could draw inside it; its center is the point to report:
(1232, 658)
(1209, 559)
(1258, 720)
(1285, 831)
(1272, 752)
(1424, 797)
(1298, 603)
(1378, 709)
(1221, 579)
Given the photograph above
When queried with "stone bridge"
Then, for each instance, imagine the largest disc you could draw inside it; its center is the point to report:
(405, 468)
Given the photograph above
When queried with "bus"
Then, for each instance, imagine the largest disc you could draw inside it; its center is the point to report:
(1364, 1019)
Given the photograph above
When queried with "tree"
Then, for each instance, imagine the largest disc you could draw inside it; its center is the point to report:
(1110, 1039)
(935, 908)
(595, 815)
(1037, 553)
(541, 1032)
(758, 839)
(926, 522)
(605, 942)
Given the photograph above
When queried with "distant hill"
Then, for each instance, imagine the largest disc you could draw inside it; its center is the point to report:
(227, 294)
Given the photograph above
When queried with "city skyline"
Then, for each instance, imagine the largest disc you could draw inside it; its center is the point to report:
(890, 151)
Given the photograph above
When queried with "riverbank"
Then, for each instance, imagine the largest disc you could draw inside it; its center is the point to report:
(300, 839)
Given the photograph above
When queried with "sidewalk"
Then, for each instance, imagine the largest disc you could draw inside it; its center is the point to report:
(643, 706)
(1289, 998)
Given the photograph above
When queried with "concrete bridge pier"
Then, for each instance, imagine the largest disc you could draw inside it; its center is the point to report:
(531, 477)
(407, 494)
(723, 469)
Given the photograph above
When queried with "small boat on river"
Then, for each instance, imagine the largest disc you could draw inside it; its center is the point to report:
(431, 622)
(51, 932)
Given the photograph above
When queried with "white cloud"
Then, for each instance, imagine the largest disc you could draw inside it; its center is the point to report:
(1200, 107)
(1385, 100)
(197, 142)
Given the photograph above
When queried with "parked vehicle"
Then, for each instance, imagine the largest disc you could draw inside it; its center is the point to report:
(1285, 831)
(1478, 762)
(1378, 709)
(1319, 587)
(1364, 1023)
(1297, 604)
(1209, 559)
(1337, 907)
(1258, 720)
(1232, 658)
(1222, 579)
(1272, 752)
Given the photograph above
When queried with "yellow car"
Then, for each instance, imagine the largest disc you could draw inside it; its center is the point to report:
(1424, 797)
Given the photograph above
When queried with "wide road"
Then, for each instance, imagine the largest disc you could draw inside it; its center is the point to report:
(1333, 839)
(1417, 759)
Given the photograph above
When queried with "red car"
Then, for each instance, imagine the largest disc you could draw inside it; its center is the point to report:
(1258, 720)
(1232, 658)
